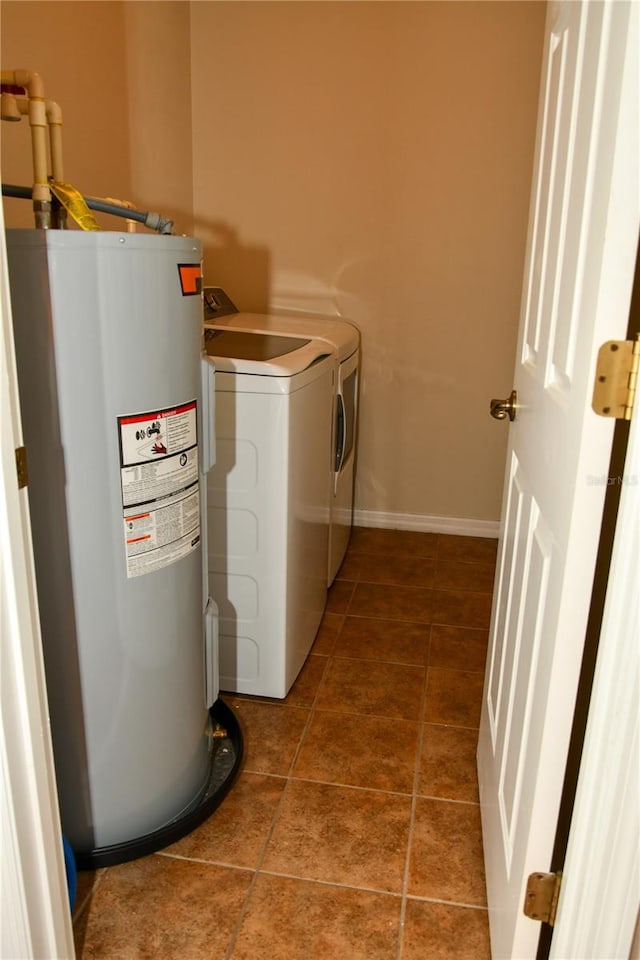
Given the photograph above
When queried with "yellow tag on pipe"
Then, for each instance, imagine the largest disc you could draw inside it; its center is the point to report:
(75, 204)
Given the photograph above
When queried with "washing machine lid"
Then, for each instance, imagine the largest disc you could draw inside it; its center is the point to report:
(262, 353)
(343, 335)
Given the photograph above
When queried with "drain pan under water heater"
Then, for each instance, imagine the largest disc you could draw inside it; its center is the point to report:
(108, 333)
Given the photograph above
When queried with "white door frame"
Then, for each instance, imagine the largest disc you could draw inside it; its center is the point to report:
(600, 894)
(34, 904)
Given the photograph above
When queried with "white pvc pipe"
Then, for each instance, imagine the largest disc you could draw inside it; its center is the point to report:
(38, 124)
(32, 83)
(128, 205)
(28, 79)
(9, 108)
(54, 120)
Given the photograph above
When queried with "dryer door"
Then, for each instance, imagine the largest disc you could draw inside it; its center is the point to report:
(346, 417)
(346, 414)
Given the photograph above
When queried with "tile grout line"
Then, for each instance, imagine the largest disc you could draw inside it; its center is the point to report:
(256, 872)
(359, 888)
(414, 802)
(354, 787)
(274, 822)
(403, 893)
(311, 710)
(434, 587)
(234, 867)
(100, 874)
(406, 663)
(448, 903)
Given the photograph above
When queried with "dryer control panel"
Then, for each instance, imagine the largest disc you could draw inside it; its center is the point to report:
(217, 304)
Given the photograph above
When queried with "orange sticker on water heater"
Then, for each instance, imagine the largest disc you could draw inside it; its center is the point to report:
(190, 279)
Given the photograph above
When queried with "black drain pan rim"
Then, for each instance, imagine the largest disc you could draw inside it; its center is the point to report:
(116, 853)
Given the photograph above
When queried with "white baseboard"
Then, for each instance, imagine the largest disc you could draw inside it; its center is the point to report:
(460, 526)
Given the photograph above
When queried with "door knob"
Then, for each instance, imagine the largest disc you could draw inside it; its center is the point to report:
(501, 409)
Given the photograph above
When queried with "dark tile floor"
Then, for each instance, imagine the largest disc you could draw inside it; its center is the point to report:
(353, 829)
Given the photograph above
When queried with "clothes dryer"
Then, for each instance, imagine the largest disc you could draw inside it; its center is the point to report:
(269, 503)
(344, 338)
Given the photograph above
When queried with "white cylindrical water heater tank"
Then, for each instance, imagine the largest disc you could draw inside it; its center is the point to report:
(108, 333)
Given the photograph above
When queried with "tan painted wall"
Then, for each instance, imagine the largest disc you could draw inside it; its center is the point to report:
(366, 159)
(374, 160)
(120, 72)
(159, 103)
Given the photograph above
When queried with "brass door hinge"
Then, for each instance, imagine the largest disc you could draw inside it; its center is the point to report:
(541, 898)
(616, 378)
(22, 467)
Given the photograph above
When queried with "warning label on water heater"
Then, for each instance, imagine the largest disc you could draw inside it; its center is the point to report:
(160, 488)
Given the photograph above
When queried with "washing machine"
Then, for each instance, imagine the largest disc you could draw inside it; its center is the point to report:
(344, 338)
(269, 502)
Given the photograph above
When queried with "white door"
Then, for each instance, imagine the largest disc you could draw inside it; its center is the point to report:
(582, 242)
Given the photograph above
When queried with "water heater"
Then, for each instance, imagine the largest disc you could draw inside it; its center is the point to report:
(116, 408)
